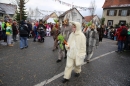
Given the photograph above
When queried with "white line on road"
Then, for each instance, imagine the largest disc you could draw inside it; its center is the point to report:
(62, 73)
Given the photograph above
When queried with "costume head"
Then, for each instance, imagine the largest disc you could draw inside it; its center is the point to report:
(93, 26)
(77, 25)
(66, 22)
(57, 23)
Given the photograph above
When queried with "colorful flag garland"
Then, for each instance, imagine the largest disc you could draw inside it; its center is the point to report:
(71, 5)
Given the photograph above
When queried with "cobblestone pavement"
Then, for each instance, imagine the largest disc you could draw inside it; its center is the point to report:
(37, 63)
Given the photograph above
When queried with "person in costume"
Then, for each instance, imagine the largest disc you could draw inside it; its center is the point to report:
(48, 30)
(66, 30)
(55, 32)
(92, 40)
(61, 49)
(76, 51)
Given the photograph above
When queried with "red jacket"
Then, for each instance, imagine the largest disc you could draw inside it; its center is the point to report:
(119, 37)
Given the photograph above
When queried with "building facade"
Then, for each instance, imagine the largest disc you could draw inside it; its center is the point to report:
(116, 12)
(72, 14)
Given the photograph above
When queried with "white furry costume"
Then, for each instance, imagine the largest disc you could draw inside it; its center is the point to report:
(77, 51)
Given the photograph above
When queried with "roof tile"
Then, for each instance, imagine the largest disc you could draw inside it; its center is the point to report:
(109, 3)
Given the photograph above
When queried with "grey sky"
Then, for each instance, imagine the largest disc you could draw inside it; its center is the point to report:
(52, 5)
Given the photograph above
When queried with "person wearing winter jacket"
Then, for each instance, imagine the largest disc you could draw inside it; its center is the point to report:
(23, 31)
(120, 38)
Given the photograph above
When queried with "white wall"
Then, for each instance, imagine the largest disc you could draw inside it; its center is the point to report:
(74, 16)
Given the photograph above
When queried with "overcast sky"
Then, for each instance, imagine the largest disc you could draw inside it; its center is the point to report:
(52, 5)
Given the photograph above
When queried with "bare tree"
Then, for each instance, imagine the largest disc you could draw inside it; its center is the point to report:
(92, 9)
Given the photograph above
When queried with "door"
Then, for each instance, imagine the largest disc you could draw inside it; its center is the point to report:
(110, 23)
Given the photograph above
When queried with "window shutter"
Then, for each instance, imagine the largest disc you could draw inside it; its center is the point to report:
(128, 12)
(108, 12)
(115, 12)
(119, 12)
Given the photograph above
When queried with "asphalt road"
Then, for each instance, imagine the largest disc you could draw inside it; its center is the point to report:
(37, 66)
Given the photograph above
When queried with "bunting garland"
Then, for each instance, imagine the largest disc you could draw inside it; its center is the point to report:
(71, 5)
(50, 11)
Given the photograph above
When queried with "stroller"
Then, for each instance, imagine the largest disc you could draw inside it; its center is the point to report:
(41, 35)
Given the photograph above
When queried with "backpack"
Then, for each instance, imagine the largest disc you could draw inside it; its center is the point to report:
(22, 30)
(123, 32)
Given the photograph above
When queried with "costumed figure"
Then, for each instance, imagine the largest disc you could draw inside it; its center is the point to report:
(48, 31)
(55, 33)
(92, 40)
(61, 48)
(66, 31)
(76, 51)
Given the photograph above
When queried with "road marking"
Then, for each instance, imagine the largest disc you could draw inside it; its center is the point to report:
(62, 73)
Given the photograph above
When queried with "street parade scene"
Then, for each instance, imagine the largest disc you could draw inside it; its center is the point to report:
(64, 43)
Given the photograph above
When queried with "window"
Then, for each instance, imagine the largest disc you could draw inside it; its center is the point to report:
(111, 12)
(122, 22)
(78, 20)
(124, 13)
(74, 14)
(110, 23)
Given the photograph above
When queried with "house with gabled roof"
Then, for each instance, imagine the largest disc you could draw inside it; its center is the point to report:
(7, 9)
(116, 12)
(72, 14)
(52, 15)
(94, 18)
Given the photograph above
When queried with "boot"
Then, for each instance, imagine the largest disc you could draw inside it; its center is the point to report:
(58, 61)
(65, 80)
(77, 74)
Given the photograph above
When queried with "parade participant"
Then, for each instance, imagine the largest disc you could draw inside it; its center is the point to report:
(76, 51)
(65, 32)
(55, 32)
(61, 49)
(48, 30)
(92, 40)
(23, 31)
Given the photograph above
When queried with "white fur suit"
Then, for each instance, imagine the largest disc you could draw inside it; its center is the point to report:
(77, 51)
